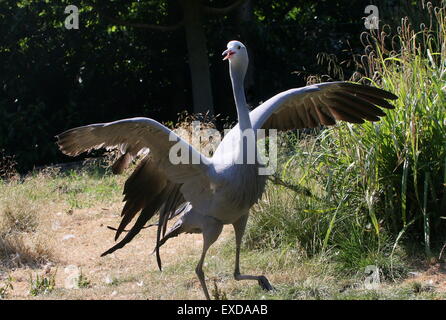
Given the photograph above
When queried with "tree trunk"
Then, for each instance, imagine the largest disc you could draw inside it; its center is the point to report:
(243, 20)
(198, 56)
(180, 81)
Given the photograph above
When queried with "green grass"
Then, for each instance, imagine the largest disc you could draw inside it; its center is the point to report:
(83, 282)
(42, 284)
(26, 205)
(379, 189)
(6, 287)
(378, 195)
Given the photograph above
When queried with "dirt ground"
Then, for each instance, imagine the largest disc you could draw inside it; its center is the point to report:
(77, 238)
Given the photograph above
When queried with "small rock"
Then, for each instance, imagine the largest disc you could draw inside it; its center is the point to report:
(68, 237)
(15, 259)
(72, 280)
(47, 268)
(55, 226)
(413, 274)
(114, 293)
(140, 284)
(108, 280)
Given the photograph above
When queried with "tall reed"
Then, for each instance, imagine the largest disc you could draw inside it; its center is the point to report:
(378, 183)
(400, 161)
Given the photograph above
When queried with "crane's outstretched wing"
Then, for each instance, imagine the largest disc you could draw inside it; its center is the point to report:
(135, 135)
(157, 184)
(321, 104)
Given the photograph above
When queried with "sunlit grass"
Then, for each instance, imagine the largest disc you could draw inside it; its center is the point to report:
(377, 192)
(375, 184)
(27, 207)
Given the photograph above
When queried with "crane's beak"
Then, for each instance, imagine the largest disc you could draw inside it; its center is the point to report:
(227, 53)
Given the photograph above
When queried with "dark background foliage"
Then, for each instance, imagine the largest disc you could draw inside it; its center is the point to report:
(53, 79)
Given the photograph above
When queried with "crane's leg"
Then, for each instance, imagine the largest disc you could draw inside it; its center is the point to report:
(239, 228)
(210, 234)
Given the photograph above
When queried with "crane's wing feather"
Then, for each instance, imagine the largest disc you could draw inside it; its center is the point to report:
(123, 162)
(321, 104)
(148, 190)
(157, 185)
(135, 135)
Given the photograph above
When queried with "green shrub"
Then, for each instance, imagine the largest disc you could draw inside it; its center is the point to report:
(372, 184)
(42, 284)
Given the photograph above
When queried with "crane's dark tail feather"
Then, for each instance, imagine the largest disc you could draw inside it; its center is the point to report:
(155, 197)
(122, 163)
(173, 232)
(145, 215)
(139, 224)
(148, 226)
(168, 212)
(137, 198)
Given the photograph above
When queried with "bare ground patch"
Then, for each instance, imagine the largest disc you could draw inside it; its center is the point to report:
(57, 228)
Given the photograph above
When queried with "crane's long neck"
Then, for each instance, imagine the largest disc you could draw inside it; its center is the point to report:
(237, 77)
(246, 151)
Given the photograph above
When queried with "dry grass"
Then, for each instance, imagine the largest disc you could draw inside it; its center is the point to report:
(45, 233)
(20, 243)
(7, 166)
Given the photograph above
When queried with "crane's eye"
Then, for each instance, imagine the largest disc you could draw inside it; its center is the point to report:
(239, 47)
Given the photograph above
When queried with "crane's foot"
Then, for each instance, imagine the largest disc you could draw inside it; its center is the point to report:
(264, 283)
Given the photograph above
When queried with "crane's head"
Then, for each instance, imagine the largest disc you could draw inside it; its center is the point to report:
(236, 53)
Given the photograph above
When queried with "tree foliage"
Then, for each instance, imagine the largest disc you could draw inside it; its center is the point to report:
(52, 79)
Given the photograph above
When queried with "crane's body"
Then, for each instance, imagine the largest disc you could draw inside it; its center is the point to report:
(218, 190)
(235, 193)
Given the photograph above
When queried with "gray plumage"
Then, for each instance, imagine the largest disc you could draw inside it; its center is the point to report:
(215, 191)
